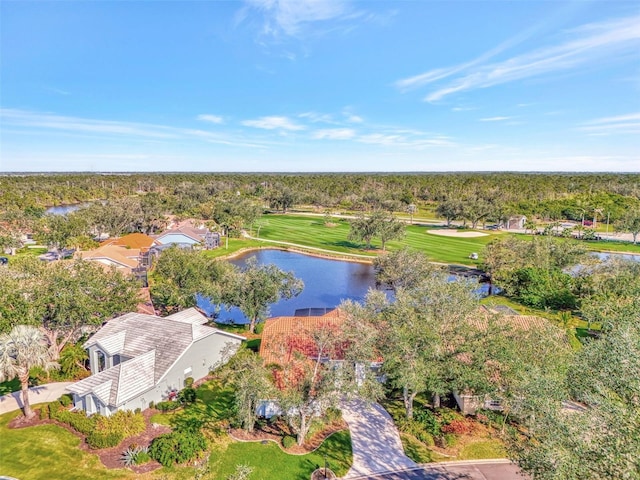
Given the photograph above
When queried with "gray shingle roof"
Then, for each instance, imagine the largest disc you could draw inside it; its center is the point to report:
(152, 345)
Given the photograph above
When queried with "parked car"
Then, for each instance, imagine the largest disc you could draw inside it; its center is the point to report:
(473, 256)
(4, 260)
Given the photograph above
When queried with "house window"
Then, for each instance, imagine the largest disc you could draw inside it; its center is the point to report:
(102, 361)
(187, 371)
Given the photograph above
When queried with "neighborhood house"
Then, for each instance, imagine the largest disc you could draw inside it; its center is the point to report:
(137, 359)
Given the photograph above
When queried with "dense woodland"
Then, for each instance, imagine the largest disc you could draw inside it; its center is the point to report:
(543, 195)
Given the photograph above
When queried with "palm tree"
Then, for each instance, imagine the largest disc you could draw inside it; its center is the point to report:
(23, 348)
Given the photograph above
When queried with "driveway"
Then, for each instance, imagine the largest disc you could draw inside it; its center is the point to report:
(465, 470)
(39, 394)
(375, 441)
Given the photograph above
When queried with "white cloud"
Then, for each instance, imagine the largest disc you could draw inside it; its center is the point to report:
(334, 134)
(30, 122)
(273, 123)
(317, 117)
(289, 16)
(494, 119)
(621, 124)
(588, 44)
(217, 119)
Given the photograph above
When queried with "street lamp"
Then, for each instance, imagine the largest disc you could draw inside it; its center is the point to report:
(325, 467)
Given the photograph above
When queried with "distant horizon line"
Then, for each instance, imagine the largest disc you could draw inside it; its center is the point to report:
(293, 172)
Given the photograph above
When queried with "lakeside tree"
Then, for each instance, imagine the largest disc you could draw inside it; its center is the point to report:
(181, 274)
(532, 270)
(21, 349)
(254, 287)
(403, 268)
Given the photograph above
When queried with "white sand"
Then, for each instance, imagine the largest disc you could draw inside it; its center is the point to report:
(456, 233)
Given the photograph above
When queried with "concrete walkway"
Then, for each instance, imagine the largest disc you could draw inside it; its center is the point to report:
(375, 440)
(39, 394)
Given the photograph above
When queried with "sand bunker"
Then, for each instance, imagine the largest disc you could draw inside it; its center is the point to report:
(456, 233)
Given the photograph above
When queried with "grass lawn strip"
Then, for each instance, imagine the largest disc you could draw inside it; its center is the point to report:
(271, 463)
(45, 452)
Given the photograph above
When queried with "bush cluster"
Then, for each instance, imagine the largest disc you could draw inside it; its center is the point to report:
(100, 431)
(288, 441)
(177, 447)
(440, 426)
(124, 423)
(167, 406)
(187, 395)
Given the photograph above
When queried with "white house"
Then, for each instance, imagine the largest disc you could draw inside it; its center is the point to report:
(137, 359)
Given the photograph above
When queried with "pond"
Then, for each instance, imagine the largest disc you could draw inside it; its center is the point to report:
(326, 283)
(68, 208)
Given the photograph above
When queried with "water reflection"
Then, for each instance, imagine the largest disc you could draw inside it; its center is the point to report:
(326, 282)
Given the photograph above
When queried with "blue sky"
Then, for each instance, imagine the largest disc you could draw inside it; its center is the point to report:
(268, 85)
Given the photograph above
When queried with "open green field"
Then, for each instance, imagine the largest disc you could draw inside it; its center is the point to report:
(312, 232)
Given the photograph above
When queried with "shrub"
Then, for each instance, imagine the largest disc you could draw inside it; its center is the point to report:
(135, 456)
(54, 408)
(124, 423)
(152, 404)
(137, 410)
(103, 440)
(187, 395)
(142, 457)
(447, 415)
(426, 438)
(188, 382)
(429, 421)
(333, 414)
(449, 439)
(65, 400)
(167, 406)
(459, 427)
(288, 441)
(259, 328)
(177, 447)
(77, 420)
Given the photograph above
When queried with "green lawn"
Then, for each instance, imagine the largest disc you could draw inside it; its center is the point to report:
(46, 452)
(9, 386)
(312, 232)
(271, 463)
(234, 245)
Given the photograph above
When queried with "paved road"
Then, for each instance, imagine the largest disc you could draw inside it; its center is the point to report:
(375, 440)
(469, 470)
(39, 394)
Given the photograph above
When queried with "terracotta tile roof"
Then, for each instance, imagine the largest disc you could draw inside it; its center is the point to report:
(133, 240)
(282, 337)
(122, 258)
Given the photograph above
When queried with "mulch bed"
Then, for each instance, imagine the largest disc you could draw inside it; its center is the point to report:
(276, 431)
(110, 457)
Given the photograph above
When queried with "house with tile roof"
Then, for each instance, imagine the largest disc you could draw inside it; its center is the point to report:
(137, 359)
(121, 258)
(285, 337)
(133, 240)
